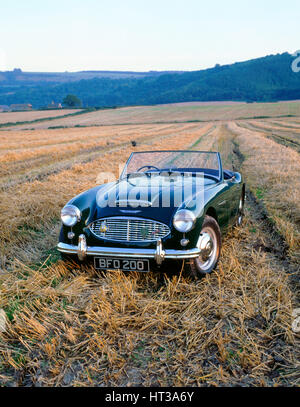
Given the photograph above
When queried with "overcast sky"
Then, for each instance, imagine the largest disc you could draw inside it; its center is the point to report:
(142, 35)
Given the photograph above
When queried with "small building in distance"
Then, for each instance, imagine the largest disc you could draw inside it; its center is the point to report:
(54, 105)
(4, 108)
(20, 107)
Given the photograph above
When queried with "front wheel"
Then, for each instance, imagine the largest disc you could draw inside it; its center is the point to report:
(210, 244)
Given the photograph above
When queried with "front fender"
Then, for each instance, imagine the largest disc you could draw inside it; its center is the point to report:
(87, 203)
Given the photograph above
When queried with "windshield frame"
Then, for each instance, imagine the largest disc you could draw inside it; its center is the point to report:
(124, 173)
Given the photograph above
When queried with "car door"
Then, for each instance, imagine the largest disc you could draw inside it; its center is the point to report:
(223, 205)
(233, 199)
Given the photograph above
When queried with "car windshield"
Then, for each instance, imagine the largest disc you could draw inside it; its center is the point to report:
(208, 163)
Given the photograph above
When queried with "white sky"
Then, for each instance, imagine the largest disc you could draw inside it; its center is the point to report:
(140, 35)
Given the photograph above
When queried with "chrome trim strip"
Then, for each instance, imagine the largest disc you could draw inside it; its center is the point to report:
(128, 252)
(130, 211)
(136, 203)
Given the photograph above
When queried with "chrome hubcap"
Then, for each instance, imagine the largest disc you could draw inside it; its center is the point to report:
(207, 243)
(206, 246)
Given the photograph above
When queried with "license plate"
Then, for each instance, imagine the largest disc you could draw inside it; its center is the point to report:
(109, 263)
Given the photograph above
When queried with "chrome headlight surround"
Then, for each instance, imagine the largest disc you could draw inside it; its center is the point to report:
(184, 220)
(70, 215)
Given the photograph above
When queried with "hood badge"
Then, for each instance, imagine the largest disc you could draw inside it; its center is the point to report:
(144, 232)
(103, 227)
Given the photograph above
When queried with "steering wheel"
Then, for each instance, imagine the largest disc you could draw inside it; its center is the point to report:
(148, 166)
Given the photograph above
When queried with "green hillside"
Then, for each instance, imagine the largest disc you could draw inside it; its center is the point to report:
(264, 79)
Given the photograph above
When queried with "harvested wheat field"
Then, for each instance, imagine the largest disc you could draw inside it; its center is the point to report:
(171, 113)
(65, 325)
(32, 115)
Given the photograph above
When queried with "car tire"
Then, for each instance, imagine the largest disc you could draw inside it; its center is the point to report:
(241, 213)
(206, 263)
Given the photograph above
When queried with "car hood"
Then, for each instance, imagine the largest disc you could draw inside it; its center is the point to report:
(156, 198)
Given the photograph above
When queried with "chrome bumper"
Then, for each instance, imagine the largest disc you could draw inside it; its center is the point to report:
(158, 254)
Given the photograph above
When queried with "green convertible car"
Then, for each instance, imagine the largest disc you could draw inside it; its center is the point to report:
(167, 206)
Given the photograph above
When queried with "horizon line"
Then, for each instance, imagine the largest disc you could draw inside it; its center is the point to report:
(143, 71)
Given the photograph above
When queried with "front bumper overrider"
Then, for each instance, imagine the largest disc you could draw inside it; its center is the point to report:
(158, 254)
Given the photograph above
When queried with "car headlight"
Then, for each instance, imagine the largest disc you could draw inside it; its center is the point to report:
(184, 220)
(70, 215)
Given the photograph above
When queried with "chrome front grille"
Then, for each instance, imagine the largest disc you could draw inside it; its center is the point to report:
(124, 229)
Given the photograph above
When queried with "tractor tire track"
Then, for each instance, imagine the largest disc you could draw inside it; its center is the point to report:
(282, 138)
(273, 242)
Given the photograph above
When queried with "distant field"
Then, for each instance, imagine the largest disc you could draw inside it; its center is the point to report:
(67, 325)
(181, 112)
(34, 154)
(13, 117)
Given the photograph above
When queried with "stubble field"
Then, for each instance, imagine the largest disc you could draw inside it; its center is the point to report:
(62, 325)
(177, 112)
(29, 116)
